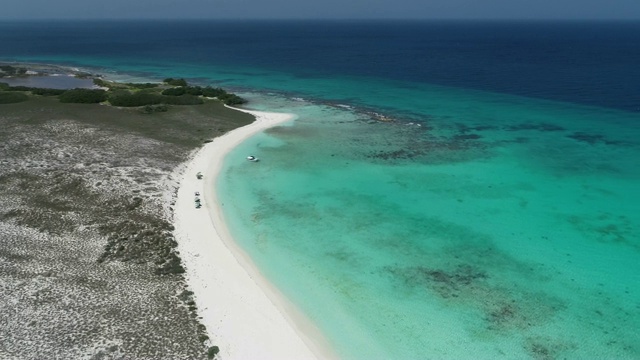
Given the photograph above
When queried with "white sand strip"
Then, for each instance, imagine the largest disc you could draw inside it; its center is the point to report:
(244, 314)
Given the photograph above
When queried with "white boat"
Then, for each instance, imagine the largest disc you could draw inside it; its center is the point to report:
(252, 158)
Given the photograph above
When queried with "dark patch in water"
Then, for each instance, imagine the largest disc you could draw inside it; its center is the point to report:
(445, 283)
(463, 269)
(521, 140)
(593, 139)
(467, 137)
(502, 308)
(503, 313)
(341, 255)
(590, 139)
(300, 131)
(458, 148)
(545, 348)
(544, 127)
(395, 154)
(463, 129)
(607, 228)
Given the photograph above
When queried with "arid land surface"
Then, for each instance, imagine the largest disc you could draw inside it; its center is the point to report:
(88, 261)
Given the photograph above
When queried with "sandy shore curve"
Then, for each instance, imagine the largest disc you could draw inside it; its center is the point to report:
(244, 314)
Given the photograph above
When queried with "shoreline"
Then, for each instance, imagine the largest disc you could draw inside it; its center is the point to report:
(245, 315)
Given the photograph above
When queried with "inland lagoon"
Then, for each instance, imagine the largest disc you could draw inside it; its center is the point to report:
(50, 82)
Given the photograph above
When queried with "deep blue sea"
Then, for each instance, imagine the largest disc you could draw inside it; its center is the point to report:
(449, 189)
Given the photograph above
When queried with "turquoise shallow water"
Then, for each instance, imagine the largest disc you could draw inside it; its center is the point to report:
(502, 226)
(473, 223)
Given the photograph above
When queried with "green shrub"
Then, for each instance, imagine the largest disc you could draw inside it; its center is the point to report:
(182, 90)
(176, 91)
(203, 338)
(213, 92)
(34, 90)
(150, 109)
(232, 99)
(185, 295)
(171, 266)
(19, 88)
(83, 96)
(142, 85)
(12, 97)
(194, 90)
(83, 75)
(127, 99)
(47, 92)
(175, 82)
(182, 100)
(224, 96)
(212, 352)
(101, 83)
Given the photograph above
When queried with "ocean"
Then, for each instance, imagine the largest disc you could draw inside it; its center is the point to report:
(449, 189)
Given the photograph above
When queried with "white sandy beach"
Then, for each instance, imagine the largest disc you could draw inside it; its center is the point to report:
(244, 314)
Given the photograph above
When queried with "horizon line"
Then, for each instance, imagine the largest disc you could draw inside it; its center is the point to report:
(335, 19)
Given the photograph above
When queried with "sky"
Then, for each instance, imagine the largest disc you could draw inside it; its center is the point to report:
(320, 9)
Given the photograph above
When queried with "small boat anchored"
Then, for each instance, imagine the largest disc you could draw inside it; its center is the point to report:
(252, 158)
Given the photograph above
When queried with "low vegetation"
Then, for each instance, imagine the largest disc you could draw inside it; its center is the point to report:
(212, 352)
(125, 98)
(210, 92)
(33, 90)
(47, 92)
(129, 99)
(12, 97)
(83, 96)
(142, 85)
(150, 109)
(102, 83)
(175, 82)
(147, 95)
(112, 85)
